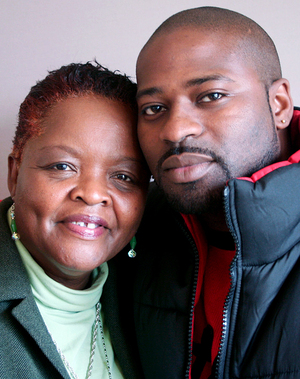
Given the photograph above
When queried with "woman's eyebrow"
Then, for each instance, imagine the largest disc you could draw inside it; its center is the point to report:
(65, 148)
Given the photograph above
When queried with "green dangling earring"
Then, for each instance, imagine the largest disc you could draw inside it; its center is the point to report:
(131, 252)
(15, 236)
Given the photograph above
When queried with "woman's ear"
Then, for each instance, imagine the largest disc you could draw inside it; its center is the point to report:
(281, 103)
(12, 177)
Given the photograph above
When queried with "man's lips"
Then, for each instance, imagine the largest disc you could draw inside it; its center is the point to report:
(85, 225)
(186, 167)
(185, 159)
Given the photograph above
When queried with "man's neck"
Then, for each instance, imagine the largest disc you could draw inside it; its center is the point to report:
(217, 232)
(285, 144)
(215, 221)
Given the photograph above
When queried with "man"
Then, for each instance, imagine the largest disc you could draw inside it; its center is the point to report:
(218, 284)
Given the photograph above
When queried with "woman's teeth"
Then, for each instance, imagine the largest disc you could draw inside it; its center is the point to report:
(85, 225)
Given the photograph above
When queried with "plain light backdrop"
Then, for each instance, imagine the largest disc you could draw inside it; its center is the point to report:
(41, 35)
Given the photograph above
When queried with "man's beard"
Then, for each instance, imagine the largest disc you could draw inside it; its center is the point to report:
(188, 198)
(191, 202)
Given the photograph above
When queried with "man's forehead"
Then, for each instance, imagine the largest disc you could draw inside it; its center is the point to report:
(186, 45)
(184, 32)
(189, 37)
(159, 72)
(243, 42)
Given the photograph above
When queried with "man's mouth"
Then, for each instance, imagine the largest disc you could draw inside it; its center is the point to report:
(186, 167)
(185, 159)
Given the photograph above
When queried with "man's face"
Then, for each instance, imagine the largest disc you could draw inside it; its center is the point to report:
(204, 117)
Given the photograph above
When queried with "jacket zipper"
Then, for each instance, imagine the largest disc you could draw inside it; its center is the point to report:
(196, 273)
(221, 357)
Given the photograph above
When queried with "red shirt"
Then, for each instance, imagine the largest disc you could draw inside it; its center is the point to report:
(212, 288)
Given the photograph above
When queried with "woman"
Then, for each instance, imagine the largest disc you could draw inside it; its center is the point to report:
(78, 185)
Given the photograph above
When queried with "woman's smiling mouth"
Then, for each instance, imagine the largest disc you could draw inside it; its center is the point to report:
(86, 226)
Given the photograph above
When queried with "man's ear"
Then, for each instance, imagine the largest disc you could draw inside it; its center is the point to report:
(12, 177)
(281, 103)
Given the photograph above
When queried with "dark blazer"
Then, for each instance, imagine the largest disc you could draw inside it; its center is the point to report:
(26, 348)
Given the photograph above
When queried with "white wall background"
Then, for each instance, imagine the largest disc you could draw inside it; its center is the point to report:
(41, 35)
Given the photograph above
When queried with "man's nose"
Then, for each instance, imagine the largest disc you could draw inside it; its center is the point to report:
(182, 123)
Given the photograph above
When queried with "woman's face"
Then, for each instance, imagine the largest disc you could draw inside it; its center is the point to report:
(80, 189)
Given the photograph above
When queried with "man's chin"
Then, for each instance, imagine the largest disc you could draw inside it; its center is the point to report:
(189, 200)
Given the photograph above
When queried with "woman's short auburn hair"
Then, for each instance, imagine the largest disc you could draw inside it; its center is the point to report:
(76, 79)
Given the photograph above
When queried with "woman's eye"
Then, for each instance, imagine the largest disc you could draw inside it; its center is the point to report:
(124, 178)
(211, 97)
(153, 110)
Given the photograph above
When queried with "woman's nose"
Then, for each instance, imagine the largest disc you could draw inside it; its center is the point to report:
(92, 191)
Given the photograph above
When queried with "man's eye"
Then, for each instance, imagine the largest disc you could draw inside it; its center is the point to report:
(153, 110)
(61, 167)
(211, 97)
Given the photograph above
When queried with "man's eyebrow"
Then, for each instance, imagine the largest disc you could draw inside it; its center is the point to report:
(191, 83)
(148, 92)
(199, 81)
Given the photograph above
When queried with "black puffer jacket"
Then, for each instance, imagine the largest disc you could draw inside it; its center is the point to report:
(261, 326)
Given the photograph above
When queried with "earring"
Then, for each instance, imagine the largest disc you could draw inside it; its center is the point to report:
(15, 236)
(131, 252)
(283, 121)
